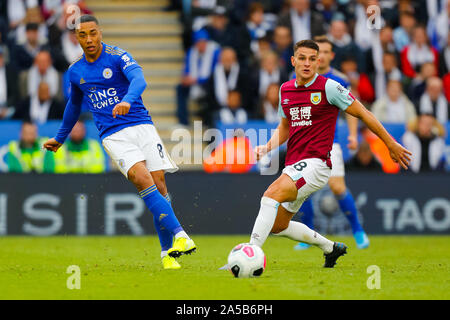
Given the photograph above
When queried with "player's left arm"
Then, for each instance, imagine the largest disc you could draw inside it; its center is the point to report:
(352, 138)
(341, 97)
(352, 122)
(135, 76)
(397, 152)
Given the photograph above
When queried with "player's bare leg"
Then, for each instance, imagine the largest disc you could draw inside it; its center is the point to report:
(348, 207)
(337, 185)
(140, 177)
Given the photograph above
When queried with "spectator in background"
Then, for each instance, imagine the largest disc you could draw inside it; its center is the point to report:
(9, 91)
(395, 107)
(282, 46)
(343, 44)
(61, 18)
(328, 10)
(388, 71)
(365, 37)
(199, 64)
(403, 33)
(418, 52)
(303, 23)
(444, 68)
(360, 83)
(418, 84)
(425, 141)
(233, 113)
(364, 159)
(383, 42)
(25, 53)
(444, 59)
(40, 107)
(271, 103)
(268, 72)
(226, 34)
(32, 16)
(80, 154)
(256, 26)
(27, 155)
(41, 71)
(16, 10)
(71, 48)
(264, 47)
(227, 76)
(438, 27)
(433, 101)
(52, 9)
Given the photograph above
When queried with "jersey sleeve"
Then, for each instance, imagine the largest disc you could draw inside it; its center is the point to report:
(337, 95)
(71, 113)
(280, 108)
(127, 63)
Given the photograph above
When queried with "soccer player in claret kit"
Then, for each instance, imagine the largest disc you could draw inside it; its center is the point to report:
(309, 106)
(337, 177)
(110, 81)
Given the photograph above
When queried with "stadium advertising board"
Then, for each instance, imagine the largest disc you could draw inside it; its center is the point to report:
(44, 205)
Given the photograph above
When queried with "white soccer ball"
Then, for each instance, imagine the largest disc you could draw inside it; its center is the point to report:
(246, 260)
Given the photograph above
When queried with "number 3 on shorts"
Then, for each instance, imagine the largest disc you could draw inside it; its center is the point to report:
(160, 150)
(300, 166)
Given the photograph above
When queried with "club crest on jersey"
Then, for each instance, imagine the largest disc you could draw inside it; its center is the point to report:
(107, 73)
(316, 97)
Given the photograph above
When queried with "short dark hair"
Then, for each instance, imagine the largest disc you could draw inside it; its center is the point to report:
(324, 39)
(88, 18)
(306, 44)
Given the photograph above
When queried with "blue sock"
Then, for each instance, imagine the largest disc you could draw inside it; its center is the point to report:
(347, 205)
(161, 209)
(307, 217)
(165, 237)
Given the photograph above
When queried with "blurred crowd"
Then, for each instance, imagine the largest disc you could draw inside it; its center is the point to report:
(395, 55)
(37, 45)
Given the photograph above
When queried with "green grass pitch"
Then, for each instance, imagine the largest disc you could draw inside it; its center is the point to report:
(411, 267)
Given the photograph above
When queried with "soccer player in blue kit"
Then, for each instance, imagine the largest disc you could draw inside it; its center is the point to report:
(337, 178)
(111, 82)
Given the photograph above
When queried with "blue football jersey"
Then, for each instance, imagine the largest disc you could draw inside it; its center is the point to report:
(337, 76)
(103, 84)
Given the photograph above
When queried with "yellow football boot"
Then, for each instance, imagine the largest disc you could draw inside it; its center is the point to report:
(182, 246)
(170, 263)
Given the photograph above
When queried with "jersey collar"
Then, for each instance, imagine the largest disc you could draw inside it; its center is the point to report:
(309, 83)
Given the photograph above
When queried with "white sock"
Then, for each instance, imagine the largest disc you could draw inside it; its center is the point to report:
(181, 234)
(264, 221)
(299, 232)
(163, 254)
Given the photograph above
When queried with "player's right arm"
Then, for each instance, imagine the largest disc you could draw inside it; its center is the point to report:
(71, 115)
(279, 137)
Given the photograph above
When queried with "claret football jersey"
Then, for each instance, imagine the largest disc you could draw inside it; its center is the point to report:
(312, 111)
